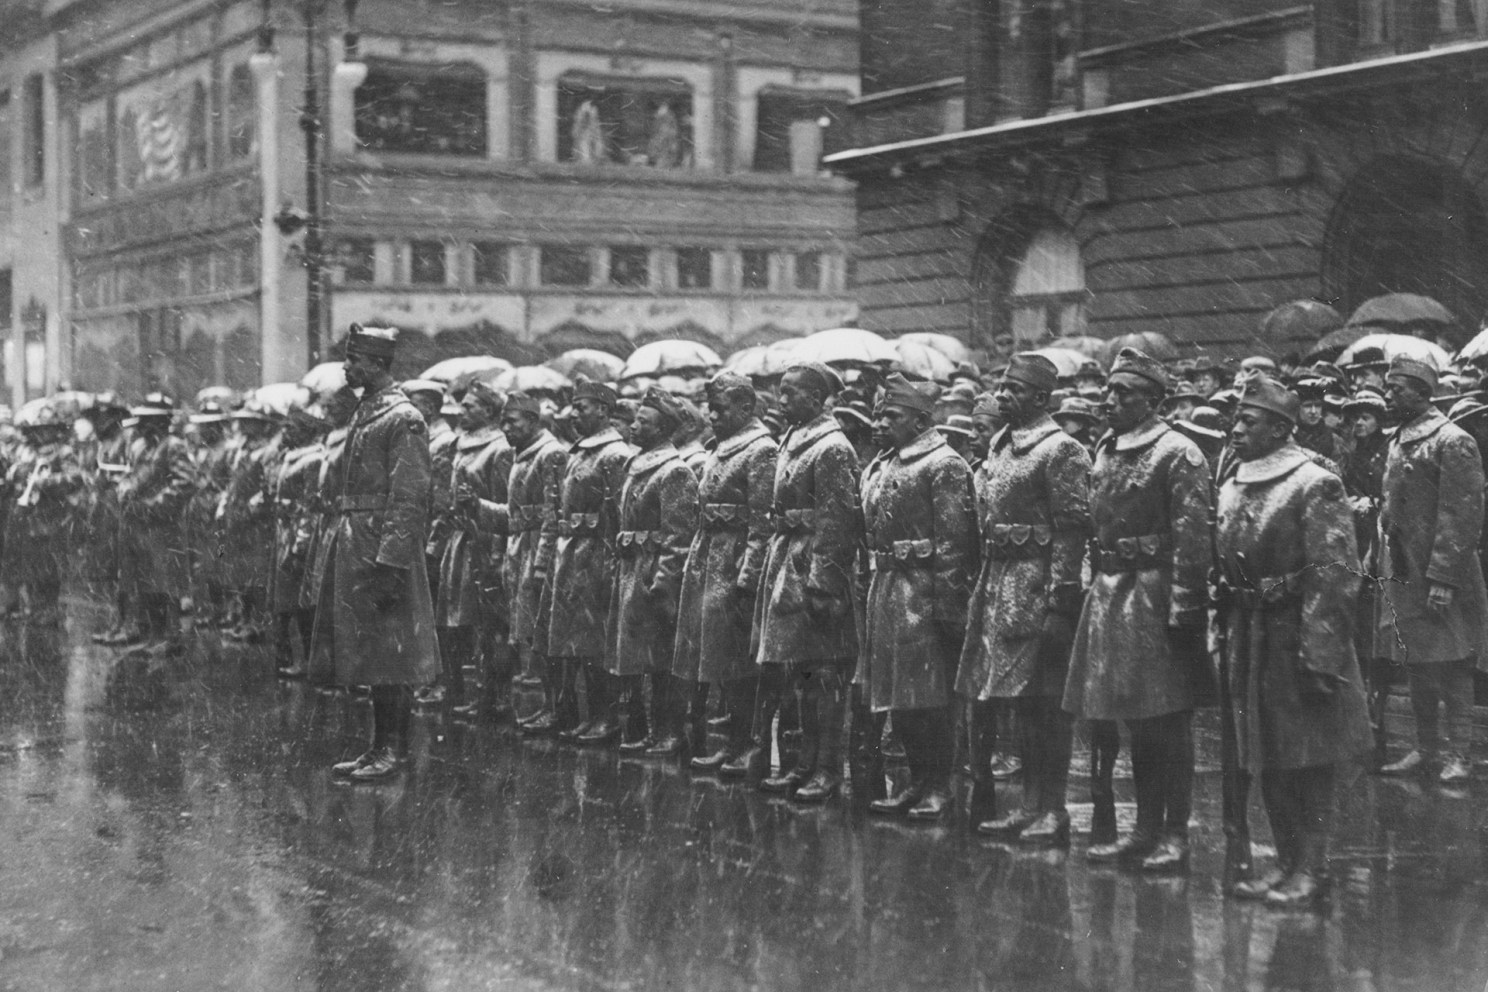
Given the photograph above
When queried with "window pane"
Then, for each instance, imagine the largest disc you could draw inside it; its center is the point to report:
(630, 122)
(490, 263)
(756, 268)
(428, 262)
(241, 112)
(358, 258)
(630, 267)
(795, 129)
(432, 110)
(34, 164)
(564, 265)
(694, 268)
(809, 271)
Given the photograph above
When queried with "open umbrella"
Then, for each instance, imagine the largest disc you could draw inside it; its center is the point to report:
(1088, 345)
(1297, 321)
(1066, 361)
(601, 366)
(1395, 312)
(1476, 349)
(920, 360)
(1332, 344)
(845, 346)
(673, 356)
(948, 346)
(763, 360)
(1150, 343)
(327, 377)
(1400, 345)
(457, 372)
(530, 379)
(281, 397)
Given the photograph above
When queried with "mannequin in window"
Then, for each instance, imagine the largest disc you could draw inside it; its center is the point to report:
(588, 135)
(664, 144)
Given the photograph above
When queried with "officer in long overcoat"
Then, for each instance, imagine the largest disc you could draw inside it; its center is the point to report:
(1141, 633)
(154, 560)
(530, 520)
(1033, 496)
(805, 630)
(1288, 565)
(724, 566)
(296, 479)
(658, 511)
(921, 527)
(375, 623)
(470, 607)
(584, 566)
(1431, 518)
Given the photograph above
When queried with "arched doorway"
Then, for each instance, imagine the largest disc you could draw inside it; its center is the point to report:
(1029, 285)
(1406, 225)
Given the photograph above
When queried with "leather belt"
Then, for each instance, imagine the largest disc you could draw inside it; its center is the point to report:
(1131, 554)
(629, 543)
(578, 524)
(1017, 542)
(725, 516)
(905, 556)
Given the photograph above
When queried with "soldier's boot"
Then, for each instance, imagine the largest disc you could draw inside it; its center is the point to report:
(981, 741)
(865, 758)
(636, 736)
(583, 673)
(1105, 744)
(543, 722)
(461, 641)
(566, 714)
(1306, 885)
(735, 728)
(1055, 736)
(1279, 800)
(496, 693)
(604, 705)
(791, 732)
(1148, 785)
(1176, 783)
(669, 715)
(898, 801)
(796, 769)
(932, 738)
(391, 705)
(695, 731)
(829, 687)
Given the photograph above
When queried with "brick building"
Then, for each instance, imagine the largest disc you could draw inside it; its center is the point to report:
(508, 175)
(1032, 168)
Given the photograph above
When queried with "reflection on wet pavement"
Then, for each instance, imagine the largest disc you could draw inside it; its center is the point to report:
(177, 829)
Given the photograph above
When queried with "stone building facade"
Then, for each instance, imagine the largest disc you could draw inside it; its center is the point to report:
(1036, 168)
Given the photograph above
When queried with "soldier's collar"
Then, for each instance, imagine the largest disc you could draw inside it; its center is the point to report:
(373, 406)
(921, 446)
(748, 434)
(803, 437)
(539, 442)
(478, 439)
(1283, 461)
(1422, 427)
(1146, 433)
(1023, 439)
(439, 429)
(650, 461)
(605, 437)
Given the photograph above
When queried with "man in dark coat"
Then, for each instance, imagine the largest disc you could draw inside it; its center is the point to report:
(47, 490)
(723, 569)
(658, 512)
(1288, 565)
(1141, 634)
(246, 512)
(1033, 496)
(804, 625)
(920, 520)
(1431, 518)
(154, 559)
(293, 487)
(375, 622)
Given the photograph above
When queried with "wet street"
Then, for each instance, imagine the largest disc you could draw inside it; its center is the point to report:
(178, 829)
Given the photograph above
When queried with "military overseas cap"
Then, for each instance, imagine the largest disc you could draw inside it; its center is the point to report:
(824, 376)
(520, 402)
(487, 392)
(586, 388)
(986, 406)
(1413, 368)
(726, 382)
(381, 342)
(899, 391)
(1130, 361)
(427, 387)
(664, 403)
(958, 424)
(1265, 393)
(1032, 370)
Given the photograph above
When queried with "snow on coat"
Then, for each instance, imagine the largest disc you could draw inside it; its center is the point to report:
(295, 483)
(153, 554)
(470, 593)
(530, 520)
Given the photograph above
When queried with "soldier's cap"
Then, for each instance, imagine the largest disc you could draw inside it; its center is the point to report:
(625, 410)
(1090, 369)
(1415, 369)
(824, 376)
(487, 392)
(986, 406)
(108, 400)
(379, 341)
(664, 403)
(853, 411)
(1367, 358)
(1077, 408)
(1257, 363)
(522, 402)
(957, 424)
(726, 382)
(209, 412)
(426, 387)
(1032, 370)
(1130, 361)
(1264, 393)
(1465, 409)
(917, 396)
(154, 404)
(586, 388)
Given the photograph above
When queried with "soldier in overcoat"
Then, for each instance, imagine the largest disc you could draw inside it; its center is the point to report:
(375, 624)
(921, 527)
(1288, 562)
(428, 398)
(47, 491)
(658, 511)
(212, 457)
(246, 513)
(105, 464)
(1431, 518)
(470, 608)
(1033, 497)
(154, 560)
(805, 630)
(530, 521)
(339, 407)
(296, 479)
(583, 576)
(1141, 637)
(724, 566)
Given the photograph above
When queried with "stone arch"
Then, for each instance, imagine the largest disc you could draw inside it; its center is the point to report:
(1020, 238)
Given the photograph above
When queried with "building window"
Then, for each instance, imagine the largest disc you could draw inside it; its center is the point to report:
(489, 263)
(1376, 23)
(630, 267)
(92, 157)
(426, 265)
(358, 258)
(694, 268)
(564, 265)
(794, 129)
(625, 121)
(1047, 298)
(5, 145)
(241, 112)
(33, 162)
(423, 109)
(809, 271)
(1458, 18)
(756, 268)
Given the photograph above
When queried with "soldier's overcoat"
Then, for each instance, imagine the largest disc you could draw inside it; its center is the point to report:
(658, 509)
(153, 552)
(818, 527)
(48, 492)
(1149, 504)
(296, 481)
(1287, 557)
(443, 440)
(212, 470)
(247, 516)
(326, 503)
(470, 593)
(1431, 518)
(383, 520)
(1033, 500)
(583, 576)
(727, 558)
(920, 516)
(531, 522)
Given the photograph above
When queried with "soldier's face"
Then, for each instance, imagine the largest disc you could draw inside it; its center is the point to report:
(1406, 398)
(520, 427)
(799, 403)
(590, 416)
(475, 413)
(897, 425)
(1126, 404)
(985, 426)
(361, 370)
(649, 429)
(1018, 402)
(1257, 433)
(729, 414)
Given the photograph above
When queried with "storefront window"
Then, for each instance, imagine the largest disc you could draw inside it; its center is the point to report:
(630, 267)
(625, 121)
(694, 268)
(422, 109)
(489, 263)
(564, 265)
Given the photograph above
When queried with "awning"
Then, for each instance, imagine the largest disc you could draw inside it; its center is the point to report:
(1228, 98)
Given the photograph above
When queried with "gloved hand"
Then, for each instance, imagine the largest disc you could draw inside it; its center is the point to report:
(386, 587)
